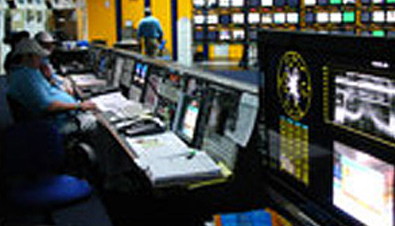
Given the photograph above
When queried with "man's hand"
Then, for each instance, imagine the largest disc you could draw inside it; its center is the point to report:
(88, 105)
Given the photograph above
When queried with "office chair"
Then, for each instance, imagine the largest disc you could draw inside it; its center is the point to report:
(32, 159)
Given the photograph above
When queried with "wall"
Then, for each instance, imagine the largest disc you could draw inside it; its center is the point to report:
(162, 10)
(101, 20)
(132, 10)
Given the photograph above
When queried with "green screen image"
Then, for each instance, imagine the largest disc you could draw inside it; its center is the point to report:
(335, 2)
(378, 33)
(348, 17)
(390, 1)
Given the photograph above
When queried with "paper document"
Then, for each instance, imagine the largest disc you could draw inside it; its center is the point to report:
(84, 80)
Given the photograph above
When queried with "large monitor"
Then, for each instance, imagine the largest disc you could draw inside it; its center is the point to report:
(238, 18)
(327, 104)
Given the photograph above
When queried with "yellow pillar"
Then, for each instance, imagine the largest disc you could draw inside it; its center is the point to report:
(101, 20)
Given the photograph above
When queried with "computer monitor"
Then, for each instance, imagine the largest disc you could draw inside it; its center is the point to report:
(198, 35)
(238, 35)
(266, 3)
(212, 19)
(199, 3)
(378, 16)
(151, 90)
(224, 35)
(267, 18)
(366, 17)
(140, 73)
(237, 3)
(309, 17)
(254, 3)
(279, 3)
(212, 35)
(310, 2)
(292, 18)
(225, 19)
(293, 3)
(254, 18)
(187, 117)
(348, 16)
(212, 4)
(238, 18)
(335, 2)
(224, 3)
(323, 2)
(391, 16)
(279, 18)
(199, 19)
(363, 185)
(378, 2)
(322, 17)
(335, 17)
(253, 35)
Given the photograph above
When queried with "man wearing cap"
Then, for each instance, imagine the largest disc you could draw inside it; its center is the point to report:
(12, 40)
(47, 42)
(32, 90)
(151, 30)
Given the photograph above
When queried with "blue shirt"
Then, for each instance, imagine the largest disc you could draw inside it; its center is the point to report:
(149, 27)
(29, 87)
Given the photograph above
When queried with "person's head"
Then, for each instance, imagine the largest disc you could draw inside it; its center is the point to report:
(14, 38)
(45, 40)
(147, 12)
(30, 53)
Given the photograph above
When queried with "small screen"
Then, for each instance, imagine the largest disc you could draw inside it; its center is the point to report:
(238, 35)
(348, 17)
(267, 18)
(335, 2)
(310, 2)
(267, 3)
(348, 2)
(189, 119)
(140, 73)
(322, 17)
(254, 3)
(224, 3)
(199, 3)
(199, 35)
(363, 186)
(237, 3)
(309, 18)
(225, 19)
(323, 2)
(390, 1)
(336, 17)
(391, 16)
(238, 18)
(253, 35)
(199, 19)
(212, 19)
(254, 18)
(293, 3)
(292, 18)
(378, 33)
(279, 3)
(378, 16)
(378, 1)
(212, 35)
(212, 3)
(279, 18)
(365, 17)
(224, 35)
(365, 2)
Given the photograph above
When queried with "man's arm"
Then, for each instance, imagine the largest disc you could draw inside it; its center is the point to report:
(57, 106)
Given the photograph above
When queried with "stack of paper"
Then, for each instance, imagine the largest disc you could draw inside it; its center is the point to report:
(167, 160)
(87, 80)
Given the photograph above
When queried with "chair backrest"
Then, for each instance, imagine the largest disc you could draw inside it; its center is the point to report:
(18, 111)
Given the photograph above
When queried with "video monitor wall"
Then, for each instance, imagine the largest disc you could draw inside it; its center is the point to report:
(329, 105)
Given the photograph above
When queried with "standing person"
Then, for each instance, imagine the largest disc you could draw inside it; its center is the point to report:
(47, 42)
(13, 40)
(151, 30)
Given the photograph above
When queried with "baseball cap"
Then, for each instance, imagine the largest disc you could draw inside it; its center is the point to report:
(29, 46)
(45, 37)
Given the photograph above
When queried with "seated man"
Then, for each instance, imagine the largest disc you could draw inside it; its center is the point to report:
(35, 94)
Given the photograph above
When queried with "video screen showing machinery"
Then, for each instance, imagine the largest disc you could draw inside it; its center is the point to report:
(328, 106)
(141, 71)
(363, 186)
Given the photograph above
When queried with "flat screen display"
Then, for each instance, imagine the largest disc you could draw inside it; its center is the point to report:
(293, 3)
(279, 18)
(336, 17)
(224, 3)
(310, 2)
(391, 16)
(254, 3)
(267, 18)
(349, 17)
(237, 3)
(225, 19)
(212, 35)
(309, 18)
(224, 35)
(141, 70)
(238, 18)
(279, 3)
(363, 186)
(199, 3)
(322, 17)
(212, 19)
(199, 35)
(267, 3)
(293, 18)
(199, 19)
(212, 3)
(238, 35)
(254, 18)
(378, 16)
(365, 17)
